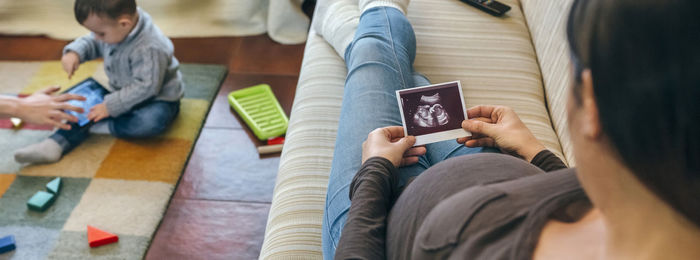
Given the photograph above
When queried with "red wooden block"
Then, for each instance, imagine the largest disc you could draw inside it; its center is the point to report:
(98, 237)
(276, 140)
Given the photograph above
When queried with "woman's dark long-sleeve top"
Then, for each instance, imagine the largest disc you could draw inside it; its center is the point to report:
(484, 206)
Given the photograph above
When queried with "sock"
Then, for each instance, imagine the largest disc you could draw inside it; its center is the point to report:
(46, 151)
(101, 128)
(336, 21)
(402, 5)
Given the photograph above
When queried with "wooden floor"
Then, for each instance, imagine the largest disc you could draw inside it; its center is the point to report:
(220, 207)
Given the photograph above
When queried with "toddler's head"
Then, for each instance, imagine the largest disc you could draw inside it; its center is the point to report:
(110, 20)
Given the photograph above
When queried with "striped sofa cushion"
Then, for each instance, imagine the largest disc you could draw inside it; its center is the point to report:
(547, 22)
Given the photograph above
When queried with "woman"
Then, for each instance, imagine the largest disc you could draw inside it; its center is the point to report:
(633, 117)
(42, 108)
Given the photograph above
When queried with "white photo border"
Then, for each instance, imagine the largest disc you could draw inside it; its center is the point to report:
(438, 136)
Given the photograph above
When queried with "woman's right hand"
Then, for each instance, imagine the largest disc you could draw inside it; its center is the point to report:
(391, 144)
(500, 127)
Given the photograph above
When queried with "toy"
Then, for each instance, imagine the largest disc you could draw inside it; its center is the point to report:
(41, 201)
(268, 149)
(7, 244)
(16, 122)
(54, 186)
(260, 110)
(98, 237)
(276, 140)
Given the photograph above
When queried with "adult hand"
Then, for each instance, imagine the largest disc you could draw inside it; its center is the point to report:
(44, 108)
(98, 112)
(70, 62)
(500, 127)
(390, 143)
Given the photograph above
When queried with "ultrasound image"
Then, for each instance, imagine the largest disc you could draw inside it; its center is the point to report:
(430, 113)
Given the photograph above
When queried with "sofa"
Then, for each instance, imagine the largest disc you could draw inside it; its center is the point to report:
(520, 60)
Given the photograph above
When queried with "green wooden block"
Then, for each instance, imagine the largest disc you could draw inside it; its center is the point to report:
(41, 201)
(54, 186)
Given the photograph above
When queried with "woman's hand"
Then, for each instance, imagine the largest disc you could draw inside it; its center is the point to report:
(500, 127)
(45, 109)
(390, 143)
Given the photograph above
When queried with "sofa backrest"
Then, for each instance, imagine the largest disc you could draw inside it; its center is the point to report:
(546, 20)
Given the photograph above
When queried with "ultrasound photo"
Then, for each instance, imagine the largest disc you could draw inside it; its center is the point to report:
(433, 113)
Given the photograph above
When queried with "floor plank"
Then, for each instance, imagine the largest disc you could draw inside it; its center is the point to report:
(225, 166)
(261, 55)
(198, 229)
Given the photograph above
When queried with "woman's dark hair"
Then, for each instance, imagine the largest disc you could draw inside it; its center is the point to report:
(644, 56)
(111, 8)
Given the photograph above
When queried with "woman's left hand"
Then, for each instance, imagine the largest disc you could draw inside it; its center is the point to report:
(390, 143)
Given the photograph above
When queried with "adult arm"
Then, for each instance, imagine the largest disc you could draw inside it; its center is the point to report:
(499, 126)
(372, 192)
(148, 67)
(547, 161)
(41, 108)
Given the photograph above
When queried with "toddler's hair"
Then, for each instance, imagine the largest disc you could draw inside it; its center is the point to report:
(112, 8)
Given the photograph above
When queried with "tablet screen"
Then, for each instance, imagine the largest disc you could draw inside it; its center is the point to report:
(94, 94)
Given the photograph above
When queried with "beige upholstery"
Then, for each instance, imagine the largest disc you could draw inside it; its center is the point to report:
(547, 22)
(283, 20)
(294, 223)
(494, 58)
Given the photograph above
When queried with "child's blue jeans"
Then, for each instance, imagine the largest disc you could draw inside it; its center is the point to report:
(147, 119)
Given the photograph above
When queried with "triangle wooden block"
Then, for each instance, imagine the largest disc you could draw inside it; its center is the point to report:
(54, 186)
(98, 237)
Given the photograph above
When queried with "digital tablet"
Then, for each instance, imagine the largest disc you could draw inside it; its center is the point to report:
(94, 94)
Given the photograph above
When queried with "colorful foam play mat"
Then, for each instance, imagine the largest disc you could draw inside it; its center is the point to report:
(118, 187)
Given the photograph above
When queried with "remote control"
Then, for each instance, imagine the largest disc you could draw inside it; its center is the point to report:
(492, 7)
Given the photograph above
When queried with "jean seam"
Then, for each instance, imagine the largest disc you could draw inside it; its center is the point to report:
(393, 49)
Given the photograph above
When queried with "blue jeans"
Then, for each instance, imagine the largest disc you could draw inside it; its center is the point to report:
(147, 119)
(380, 61)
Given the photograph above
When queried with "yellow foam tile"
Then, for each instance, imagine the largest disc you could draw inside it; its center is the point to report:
(5, 182)
(155, 159)
(123, 207)
(81, 162)
(16, 75)
(51, 73)
(189, 121)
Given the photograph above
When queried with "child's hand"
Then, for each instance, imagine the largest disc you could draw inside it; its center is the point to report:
(98, 112)
(70, 62)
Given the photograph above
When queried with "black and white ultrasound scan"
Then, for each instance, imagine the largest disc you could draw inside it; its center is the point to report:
(433, 113)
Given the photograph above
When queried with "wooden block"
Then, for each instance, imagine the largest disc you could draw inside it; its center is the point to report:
(267, 149)
(98, 237)
(7, 244)
(54, 186)
(41, 201)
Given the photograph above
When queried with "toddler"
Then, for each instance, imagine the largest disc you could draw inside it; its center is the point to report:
(143, 74)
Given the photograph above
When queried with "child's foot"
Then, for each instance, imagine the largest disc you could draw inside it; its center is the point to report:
(337, 22)
(48, 151)
(402, 5)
